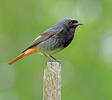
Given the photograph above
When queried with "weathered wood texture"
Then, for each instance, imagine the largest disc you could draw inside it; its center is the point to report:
(52, 81)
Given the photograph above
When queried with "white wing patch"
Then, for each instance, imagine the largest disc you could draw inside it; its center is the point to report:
(38, 37)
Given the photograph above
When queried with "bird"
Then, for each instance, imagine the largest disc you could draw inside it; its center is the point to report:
(52, 40)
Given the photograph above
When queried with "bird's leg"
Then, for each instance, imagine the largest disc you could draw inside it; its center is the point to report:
(53, 58)
(47, 56)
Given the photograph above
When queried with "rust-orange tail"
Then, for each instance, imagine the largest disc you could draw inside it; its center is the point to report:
(25, 53)
(17, 58)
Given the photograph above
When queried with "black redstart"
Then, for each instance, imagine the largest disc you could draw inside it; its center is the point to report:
(52, 40)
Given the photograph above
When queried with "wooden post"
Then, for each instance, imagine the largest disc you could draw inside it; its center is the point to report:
(52, 81)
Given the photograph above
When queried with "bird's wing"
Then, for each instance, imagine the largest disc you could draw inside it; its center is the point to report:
(46, 35)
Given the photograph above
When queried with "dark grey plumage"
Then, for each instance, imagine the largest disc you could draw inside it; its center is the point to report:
(57, 37)
(52, 40)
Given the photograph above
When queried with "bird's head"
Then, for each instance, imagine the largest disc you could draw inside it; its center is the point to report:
(70, 23)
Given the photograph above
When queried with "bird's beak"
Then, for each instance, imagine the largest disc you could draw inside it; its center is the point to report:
(76, 24)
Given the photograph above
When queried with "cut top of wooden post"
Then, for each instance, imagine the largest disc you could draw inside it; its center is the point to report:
(52, 81)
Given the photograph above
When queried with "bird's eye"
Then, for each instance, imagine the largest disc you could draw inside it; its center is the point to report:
(75, 21)
(72, 23)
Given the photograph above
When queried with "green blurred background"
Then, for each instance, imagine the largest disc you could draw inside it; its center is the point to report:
(86, 63)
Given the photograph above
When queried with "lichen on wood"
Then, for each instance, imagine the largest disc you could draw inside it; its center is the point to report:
(52, 81)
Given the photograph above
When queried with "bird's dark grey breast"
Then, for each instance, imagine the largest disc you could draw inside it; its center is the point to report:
(57, 42)
(65, 38)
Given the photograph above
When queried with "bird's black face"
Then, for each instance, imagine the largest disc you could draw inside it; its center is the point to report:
(69, 23)
(73, 23)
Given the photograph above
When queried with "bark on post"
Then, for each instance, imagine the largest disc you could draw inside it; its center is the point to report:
(52, 81)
